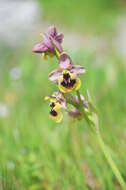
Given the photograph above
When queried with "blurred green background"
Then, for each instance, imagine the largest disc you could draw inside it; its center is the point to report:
(36, 153)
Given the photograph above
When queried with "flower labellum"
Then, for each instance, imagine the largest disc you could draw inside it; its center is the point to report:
(56, 103)
(68, 82)
(55, 113)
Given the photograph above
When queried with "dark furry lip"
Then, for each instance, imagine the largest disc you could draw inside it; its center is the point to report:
(66, 76)
(53, 113)
(68, 84)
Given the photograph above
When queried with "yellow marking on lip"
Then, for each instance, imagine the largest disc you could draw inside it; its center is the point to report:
(57, 118)
(64, 90)
(77, 85)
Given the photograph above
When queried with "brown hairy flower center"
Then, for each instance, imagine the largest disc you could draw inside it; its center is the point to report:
(67, 81)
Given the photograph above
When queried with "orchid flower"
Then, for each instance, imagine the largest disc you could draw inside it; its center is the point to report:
(50, 41)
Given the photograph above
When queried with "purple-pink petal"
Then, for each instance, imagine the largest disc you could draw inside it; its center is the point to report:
(48, 42)
(74, 113)
(78, 69)
(85, 104)
(65, 61)
(40, 48)
(59, 38)
(52, 31)
(54, 75)
(57, 45)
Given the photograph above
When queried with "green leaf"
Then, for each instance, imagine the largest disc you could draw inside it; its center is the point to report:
(91, 105)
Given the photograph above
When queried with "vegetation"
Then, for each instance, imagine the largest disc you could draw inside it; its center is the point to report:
(90, 16)
(36, 153)
(43, 155)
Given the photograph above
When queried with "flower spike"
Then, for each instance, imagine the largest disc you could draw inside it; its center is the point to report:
(66, 78)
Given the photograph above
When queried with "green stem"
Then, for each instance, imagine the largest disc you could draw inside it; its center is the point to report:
(110, 160)
(57, 53)
(82, 108)
(103, 146)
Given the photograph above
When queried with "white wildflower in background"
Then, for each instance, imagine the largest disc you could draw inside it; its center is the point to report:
(11, 165)
(3, 110)
(15, 73)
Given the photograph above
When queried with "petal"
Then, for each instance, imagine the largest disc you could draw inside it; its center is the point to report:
(48, 42)
(75, 114)
(65, 61)
(59, 38)
(57, 94)
(57, 45)
(63, 104)
(78, 69)
(52, 31)
(59, 98)
(54, 75)
(85, 104)
(40, 48)
(77, 85)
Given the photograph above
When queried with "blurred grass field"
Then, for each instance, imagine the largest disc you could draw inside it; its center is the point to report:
(92, 16)
(40, 154)
(36, 153)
